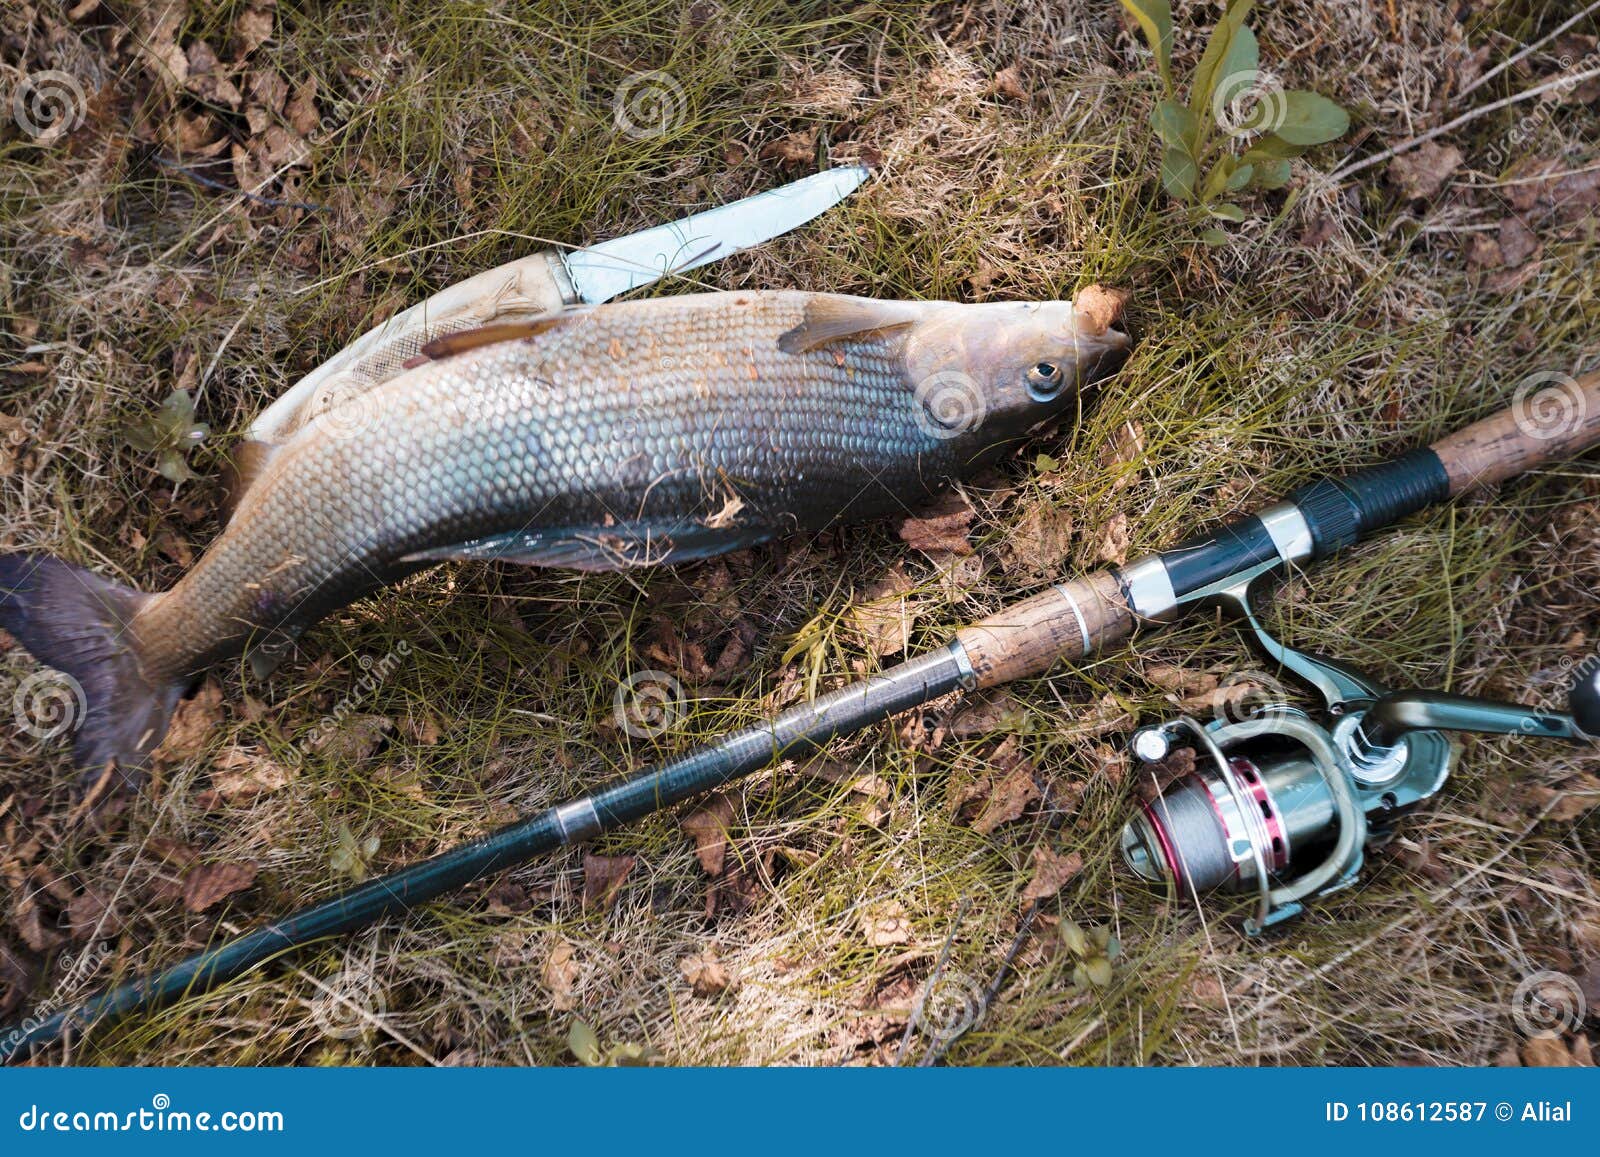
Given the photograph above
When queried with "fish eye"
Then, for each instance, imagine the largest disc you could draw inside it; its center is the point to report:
(1044, 381)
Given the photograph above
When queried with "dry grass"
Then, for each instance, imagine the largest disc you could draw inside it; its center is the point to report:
(1342, 324)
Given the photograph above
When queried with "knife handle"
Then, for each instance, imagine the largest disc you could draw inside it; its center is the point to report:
(527, 287)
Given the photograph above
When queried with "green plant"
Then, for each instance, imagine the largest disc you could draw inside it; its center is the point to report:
(1238, 129)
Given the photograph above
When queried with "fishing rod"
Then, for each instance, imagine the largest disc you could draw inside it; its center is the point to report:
(1067, 622)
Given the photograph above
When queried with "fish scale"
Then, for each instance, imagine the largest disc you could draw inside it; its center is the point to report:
(602, 437)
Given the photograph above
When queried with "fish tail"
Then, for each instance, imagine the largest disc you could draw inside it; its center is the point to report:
(78, 623)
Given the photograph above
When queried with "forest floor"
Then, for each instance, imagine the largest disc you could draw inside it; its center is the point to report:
(229, 192)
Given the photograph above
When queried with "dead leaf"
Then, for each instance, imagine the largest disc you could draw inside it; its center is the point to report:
(1008, 798)
(882, 617)
(1518, 243)
(208, 79)
(1546, 1052)
(192, 724)
(885, 924)
(252, 29)
(1008, 83)
(1051, 873)
(705, 973)
(1099, 306)
(1114, 542)
(1041, 541)
(991, 712)
(602, 879)
(353, 738)
(942, 528)
(241, 775)
(1421, 173)
(795, 149)
(209, 884)
(708, 826)
(559, 974)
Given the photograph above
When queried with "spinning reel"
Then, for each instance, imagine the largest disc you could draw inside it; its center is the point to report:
(1285, 805)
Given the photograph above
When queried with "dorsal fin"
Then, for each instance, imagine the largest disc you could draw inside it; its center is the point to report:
(246, 463)
(833, 317)
(450, 344)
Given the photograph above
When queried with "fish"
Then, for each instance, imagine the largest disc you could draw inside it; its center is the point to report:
(636, 433)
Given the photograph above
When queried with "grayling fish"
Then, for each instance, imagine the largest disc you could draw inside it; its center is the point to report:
(601, 437)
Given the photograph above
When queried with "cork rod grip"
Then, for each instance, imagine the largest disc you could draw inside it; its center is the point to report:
(1538, 428)
(1067, 621)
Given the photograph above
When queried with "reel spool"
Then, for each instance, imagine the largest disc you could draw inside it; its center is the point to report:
(1284, 805)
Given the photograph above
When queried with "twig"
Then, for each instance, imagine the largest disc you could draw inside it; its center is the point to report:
(211, 183)
(933, 978)
(1534, 47)
(1474, 114)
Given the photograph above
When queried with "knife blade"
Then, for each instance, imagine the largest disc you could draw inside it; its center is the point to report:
(549, 280)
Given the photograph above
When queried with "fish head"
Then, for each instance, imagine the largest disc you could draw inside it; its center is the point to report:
(991, 372)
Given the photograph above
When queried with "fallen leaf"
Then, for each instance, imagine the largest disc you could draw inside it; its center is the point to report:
(942, 529)
(795, 149)
(1051, 873)
(991, 712)
(885, 924)
(192, 724)
(882, 618)
(1041, 541)
(1421, 173)
(209, 884)
(559, 974)
(708, 826)
(1546, 1052)
(1008, 798)
(241, 775)
(353, 738)
(252, 29)
(1098, 307)
(705, 973)
(1008, 83)
(207, 78)
(1114, 542)
(1518, 243)
(602, 879)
